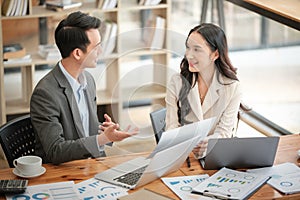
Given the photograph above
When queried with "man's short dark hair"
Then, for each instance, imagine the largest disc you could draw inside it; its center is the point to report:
(71, 32)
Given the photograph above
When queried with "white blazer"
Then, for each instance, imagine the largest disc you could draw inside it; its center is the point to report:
(221, 101)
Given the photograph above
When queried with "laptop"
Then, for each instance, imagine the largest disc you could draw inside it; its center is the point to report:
(170, 153)
(237, 153)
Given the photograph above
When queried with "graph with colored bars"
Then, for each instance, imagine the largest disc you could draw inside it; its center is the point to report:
(187, 181)
(95, 189)
(104, 196)
(198, 180)
(95, 185)
(55, 191)
(230, 180)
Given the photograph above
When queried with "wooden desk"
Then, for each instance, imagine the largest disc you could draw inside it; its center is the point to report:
(81, 170)
(286, 152)
(285, 12)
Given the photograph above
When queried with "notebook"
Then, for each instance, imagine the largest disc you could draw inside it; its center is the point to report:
(172, 150)
(240, 152)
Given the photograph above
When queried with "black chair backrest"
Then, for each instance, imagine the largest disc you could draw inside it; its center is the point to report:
(17, 138)
(158, 122)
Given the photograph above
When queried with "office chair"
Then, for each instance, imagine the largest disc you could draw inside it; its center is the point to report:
(158, 122)
(17, 138)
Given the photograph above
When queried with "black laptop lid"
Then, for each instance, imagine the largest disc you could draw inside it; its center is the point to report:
(240, 152)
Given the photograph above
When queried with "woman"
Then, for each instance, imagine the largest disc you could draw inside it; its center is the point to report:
(206, 87)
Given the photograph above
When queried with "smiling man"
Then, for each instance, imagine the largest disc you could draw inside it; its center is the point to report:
(63, 105)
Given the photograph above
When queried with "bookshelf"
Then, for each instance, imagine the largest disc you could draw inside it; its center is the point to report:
(129, 47)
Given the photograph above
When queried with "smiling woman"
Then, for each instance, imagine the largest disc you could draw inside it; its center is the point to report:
(207, 85)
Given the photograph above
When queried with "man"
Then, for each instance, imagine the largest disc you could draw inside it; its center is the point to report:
(63, 104)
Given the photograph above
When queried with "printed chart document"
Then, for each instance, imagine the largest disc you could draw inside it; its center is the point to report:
(60, 190)
(144, 194)
(85, 190)
(230, 184)
(182, 186)
(285, 177)
(96, 189)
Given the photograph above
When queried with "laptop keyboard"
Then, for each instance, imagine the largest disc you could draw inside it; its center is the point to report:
(131, 178)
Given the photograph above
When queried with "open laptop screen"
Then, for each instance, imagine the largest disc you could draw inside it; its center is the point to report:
(240, 152)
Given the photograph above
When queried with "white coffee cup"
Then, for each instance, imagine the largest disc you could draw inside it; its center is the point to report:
(28, 165)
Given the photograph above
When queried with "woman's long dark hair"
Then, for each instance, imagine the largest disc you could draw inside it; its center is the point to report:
(216, 40)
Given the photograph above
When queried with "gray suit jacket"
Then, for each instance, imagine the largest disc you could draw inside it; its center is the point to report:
(56, 120)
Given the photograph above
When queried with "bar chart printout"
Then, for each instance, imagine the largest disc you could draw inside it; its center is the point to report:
(228, 183)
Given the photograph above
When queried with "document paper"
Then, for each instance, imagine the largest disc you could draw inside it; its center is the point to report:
(182, 186)
(230, 184)
(59, 190)
(285, 177)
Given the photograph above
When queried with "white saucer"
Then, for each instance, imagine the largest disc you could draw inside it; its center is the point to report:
(18, 173)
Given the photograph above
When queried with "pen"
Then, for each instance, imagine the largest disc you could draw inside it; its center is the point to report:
(188, 162)
(216, 194)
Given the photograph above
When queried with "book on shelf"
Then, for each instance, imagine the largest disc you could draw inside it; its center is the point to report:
(14, 7)
(25, 7)
(105, 31)
(7, 7)
(110, 38)
(230, 184)
(25, 59)
(49, 52)
(154, 33)
(150, 2)
(107, 4)
(17, 10)
(59, 6)
(11, 51)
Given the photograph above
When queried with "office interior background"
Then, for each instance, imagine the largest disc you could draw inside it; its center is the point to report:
(264, 51)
